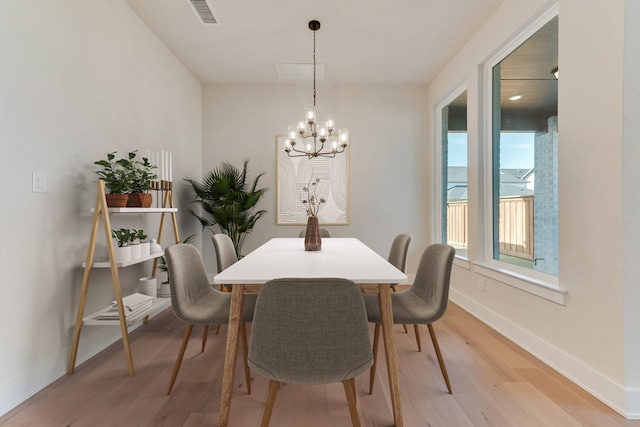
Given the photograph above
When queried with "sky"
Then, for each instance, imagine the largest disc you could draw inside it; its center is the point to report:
(516, 149)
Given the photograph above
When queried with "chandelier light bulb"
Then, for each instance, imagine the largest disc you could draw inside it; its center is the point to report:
(322, 131)
(334, 145)
(310, 114)
(292, 134)
(343, 134)
(331, 125)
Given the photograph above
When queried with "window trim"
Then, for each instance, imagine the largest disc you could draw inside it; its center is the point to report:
(519, 277)
(444, 102)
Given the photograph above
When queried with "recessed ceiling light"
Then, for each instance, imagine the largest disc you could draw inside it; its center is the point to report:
(515, 97)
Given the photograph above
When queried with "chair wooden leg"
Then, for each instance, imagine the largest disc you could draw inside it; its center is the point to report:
(205, 334)
(415, 328)
(350, 392)
(245, 355)
(372, 372)
(217, 329)
(271, 399)
(439, 355)
(176, 366)
(406, 331)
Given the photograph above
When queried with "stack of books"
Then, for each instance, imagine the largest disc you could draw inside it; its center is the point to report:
(134, 304)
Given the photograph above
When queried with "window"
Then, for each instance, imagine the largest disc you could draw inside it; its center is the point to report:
(523, 197)
(453, 192)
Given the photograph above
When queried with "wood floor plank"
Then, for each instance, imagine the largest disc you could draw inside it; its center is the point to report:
(495, 383)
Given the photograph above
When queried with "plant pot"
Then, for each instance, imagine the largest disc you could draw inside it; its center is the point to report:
(165, 289)
(148, 286)
(312, 240)
(154, 247)
(145, 249)
(139, 200)
(123, 253)
(136, 251)
(117, 200)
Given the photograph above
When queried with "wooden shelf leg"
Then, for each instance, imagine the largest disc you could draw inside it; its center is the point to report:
(85, 283)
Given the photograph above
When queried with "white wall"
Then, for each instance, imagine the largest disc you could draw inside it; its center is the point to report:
(77, 80)
(387, 126)
(631, 204)
(584, 339)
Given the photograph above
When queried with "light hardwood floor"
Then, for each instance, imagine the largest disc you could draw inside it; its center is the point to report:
(495, 383)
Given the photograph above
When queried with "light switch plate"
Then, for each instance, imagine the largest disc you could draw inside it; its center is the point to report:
(39, 182)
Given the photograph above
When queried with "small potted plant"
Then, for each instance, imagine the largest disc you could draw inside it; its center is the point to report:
(140, 240)
(134, 243)
(141, 173)
(123, 238)
(116, 177)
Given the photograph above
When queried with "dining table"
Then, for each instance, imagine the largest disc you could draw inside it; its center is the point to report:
(346, 258)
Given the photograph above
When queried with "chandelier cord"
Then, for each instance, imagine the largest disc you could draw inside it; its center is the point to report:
(314, 69)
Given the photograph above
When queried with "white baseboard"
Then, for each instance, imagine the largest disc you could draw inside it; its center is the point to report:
(25, 385)
(625, 401)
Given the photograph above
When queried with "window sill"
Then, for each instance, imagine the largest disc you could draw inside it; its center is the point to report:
(540, 288)
(462, 261)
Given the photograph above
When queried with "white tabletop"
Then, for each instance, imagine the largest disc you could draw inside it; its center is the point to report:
(345, 258)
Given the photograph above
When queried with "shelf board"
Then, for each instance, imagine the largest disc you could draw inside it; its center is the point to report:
(139, 210)
(106, 264)
(159, 304)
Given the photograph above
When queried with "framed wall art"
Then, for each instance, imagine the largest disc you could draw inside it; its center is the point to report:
(295, 173)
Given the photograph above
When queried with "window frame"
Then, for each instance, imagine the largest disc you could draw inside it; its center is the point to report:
(438, 194)
(538, 283)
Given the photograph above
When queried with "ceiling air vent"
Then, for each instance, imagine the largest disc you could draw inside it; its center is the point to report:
(202, 9)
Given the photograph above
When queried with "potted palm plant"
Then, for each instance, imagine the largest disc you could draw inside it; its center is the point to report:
(117, 178)
(228, 201)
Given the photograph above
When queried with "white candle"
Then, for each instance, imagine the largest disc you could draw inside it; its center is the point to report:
(163, 167)
(170, 167)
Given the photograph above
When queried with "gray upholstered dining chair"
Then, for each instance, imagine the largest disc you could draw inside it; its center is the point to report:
(195, 302)
(310, 331)
(225, 257)
(423, 303)
(398, 256)
(323, 233)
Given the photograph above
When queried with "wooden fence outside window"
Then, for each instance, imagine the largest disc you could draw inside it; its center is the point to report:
(516, 225)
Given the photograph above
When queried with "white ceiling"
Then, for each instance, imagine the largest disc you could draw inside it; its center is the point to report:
(361, 41)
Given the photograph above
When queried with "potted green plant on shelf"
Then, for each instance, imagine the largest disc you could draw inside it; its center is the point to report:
(141, 174)
(140, 239)
(136, 238)
(123, 237)
(117, 179)
(228, 201)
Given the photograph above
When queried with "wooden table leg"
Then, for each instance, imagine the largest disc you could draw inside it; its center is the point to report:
(384, 298)
(235, 316)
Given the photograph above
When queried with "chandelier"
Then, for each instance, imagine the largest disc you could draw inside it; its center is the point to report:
(315, 139)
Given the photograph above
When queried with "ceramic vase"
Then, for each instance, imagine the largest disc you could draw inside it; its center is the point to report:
(312, 240)
(148, 286)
